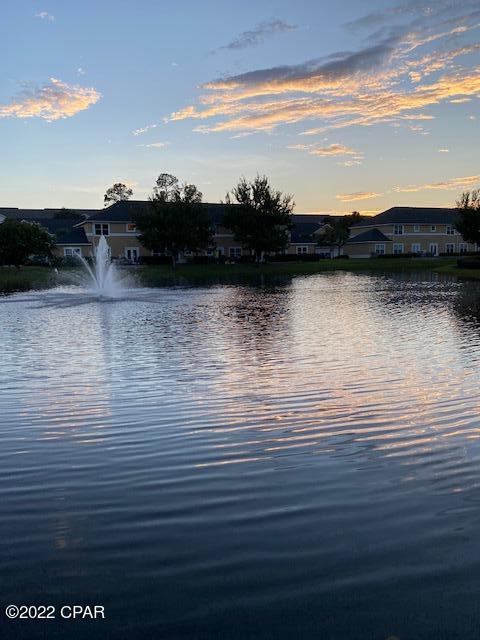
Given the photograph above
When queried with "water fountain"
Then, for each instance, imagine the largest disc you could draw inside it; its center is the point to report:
(104, 280)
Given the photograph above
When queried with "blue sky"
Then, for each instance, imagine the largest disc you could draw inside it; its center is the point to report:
(347, 105)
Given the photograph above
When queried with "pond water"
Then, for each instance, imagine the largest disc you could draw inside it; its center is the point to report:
(292, 460)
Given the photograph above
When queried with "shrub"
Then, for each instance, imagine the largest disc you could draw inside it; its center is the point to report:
(468, 263)
(154, 260)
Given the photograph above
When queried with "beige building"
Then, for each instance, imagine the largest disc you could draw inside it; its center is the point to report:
(407, 230)
(117, 223)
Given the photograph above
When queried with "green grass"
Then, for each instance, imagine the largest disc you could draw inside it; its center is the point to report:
(185, 273)
(27, 278)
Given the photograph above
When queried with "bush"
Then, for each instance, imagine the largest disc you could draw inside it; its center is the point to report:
(154, 260)
(468, 263)
(202, 260)
(457, 254)
(289, 257)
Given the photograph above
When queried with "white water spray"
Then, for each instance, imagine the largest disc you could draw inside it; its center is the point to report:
(104, 280)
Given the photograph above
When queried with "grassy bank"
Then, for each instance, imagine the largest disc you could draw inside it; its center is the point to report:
(190, 274)
(159, 275)
(25, 278)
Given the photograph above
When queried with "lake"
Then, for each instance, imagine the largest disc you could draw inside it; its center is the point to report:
(296, 459)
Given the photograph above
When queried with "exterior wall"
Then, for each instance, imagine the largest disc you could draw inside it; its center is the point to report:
(362, 249)
(59, 249)
(414, 238)
(301, 248)
(119, 238)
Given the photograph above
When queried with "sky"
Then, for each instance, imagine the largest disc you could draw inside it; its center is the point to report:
(346, 105)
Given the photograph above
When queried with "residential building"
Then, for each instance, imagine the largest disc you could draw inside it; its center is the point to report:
(407, 230)
(118, 223)
(69, 239)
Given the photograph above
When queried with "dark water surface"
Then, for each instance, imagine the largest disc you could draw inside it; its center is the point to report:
(289, 461)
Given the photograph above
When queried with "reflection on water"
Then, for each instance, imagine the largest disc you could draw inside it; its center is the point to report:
(294, 459)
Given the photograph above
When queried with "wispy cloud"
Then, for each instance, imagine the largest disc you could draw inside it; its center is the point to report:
(353, 156)
(447, 185)
(358, 195)
(51, 101)
(155, 145)
(396, 76)
(44, 15)
(138, 132)
(257, 35)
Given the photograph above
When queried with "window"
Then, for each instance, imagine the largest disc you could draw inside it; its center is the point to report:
(101, 229)
(449, 230)
(131, 254)
(235, 252)
(416, 248)
(462, 247)
(449, 247)
(72, 251)
(397, 249)
(209, 252)
(302, 250)
(416, 228)
(380, 249)
(131, 227)
(433, 227)
(398, 229)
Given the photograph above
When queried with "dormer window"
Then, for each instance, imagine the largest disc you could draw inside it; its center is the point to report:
(398, 229)
(433, 227)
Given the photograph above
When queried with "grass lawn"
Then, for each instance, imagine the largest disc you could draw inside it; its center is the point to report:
(26, 278)
(164, 274)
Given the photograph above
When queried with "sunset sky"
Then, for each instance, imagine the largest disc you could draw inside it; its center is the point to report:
(347, 105)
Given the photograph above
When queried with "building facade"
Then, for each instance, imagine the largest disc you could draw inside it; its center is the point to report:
(407, 231)
(117, 222)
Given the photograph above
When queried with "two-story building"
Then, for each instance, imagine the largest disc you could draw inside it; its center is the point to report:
(118, 223)
(407, 230)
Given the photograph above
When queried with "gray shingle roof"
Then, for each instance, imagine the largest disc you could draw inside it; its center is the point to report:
(373, 235)
(411, 215)
(126, 210)
(13, 213)
(303, 231)
(62, 228)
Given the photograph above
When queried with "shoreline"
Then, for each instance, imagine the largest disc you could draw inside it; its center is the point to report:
(30, 278)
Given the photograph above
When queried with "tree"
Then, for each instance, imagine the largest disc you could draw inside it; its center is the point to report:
(116, 193)
(261, 218)
(468, 216)
(176, 220)
(20, 239)
(337, 231)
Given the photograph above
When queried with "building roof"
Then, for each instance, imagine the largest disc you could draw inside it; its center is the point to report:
(373, 235)
(62, 228)
(14, 213)
(411, 215)
(126, 210)
(303, 232)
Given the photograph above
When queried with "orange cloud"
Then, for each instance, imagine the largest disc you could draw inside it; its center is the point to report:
(51, 102)
(359, 195)
(453, 183)
(382, 83)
